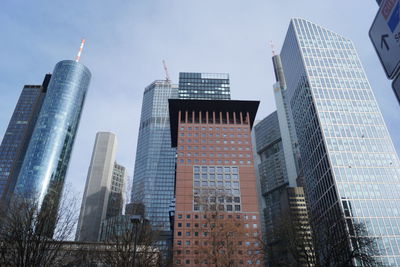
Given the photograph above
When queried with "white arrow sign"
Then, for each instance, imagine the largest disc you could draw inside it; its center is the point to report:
(385, 36)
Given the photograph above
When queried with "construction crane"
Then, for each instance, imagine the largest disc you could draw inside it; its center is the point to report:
(78, 56)
(166, 72)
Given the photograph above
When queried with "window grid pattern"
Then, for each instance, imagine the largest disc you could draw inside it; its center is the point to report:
(350, 165)
(154, 173)
(17, 136)
(204, 86)
(222, 181)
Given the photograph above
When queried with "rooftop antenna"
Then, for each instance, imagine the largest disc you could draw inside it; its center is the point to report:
(272, 48)
(78, 56)
(166, 72)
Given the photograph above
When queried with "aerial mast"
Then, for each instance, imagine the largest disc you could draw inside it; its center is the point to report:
(78, 56)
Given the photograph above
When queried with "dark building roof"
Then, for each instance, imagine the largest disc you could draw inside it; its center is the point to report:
(175, 105)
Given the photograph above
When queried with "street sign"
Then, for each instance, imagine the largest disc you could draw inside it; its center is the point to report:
(396, 87)
(385, 36)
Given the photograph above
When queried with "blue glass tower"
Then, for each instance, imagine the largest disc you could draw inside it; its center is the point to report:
(154, 175)
(351, 169)
(45, 164)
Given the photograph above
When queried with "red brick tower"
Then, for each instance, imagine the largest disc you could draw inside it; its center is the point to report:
(217, 215)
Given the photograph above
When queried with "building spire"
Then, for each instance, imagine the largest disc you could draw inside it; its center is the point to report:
(271, 44)
(78, 56)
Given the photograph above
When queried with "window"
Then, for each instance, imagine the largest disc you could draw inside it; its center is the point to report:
(179, 224)
(179, 242)
(179, 233)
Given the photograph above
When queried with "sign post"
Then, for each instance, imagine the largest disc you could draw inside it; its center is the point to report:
(385, 36)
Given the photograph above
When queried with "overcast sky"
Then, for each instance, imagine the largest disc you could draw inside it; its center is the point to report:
(127, 40)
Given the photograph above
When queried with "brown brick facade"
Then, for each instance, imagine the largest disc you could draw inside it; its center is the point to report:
(216, 215)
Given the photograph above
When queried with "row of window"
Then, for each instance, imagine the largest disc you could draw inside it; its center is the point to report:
(219, 155)
(204, 161)
(221, 216)
(205, 242)
(226, 148)
(237, 129)
(210, 141)
(196, 261)
(217, 169)
(189, 134)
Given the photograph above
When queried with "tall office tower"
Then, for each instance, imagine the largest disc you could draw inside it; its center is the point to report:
(102, 198)
(18, 135)
(116, 199)
(204, 86)
(351, 169)
(285, 210)
(215, 180)
(154, 174)
(271, 168)
(286, 125)
(46, 160)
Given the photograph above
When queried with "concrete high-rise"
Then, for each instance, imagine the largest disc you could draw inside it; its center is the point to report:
(103, 194)
(154, 173)
(215, 182)
(18, 135)
(195, 85)
(351, 169)
(45, 164)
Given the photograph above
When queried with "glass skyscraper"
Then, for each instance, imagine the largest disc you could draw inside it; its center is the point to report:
(351, 169)
(193, 85)
(154, 174)
(45, 164)
(18, 135)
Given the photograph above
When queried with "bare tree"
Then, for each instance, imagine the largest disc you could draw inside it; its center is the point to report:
(345, 243)
(291, 244)
(124, 238)
(226, 241)
(32, 235)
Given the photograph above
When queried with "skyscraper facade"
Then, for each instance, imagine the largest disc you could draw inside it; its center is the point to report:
(154, 174)
(116, 199)
(46, 160)
(215, 183)
(285, 210)
(271, 168)
(351, 169)
(102, 198)
(18, 135)
(195, 85)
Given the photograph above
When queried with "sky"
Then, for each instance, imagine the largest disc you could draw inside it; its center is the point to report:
(126, 41)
